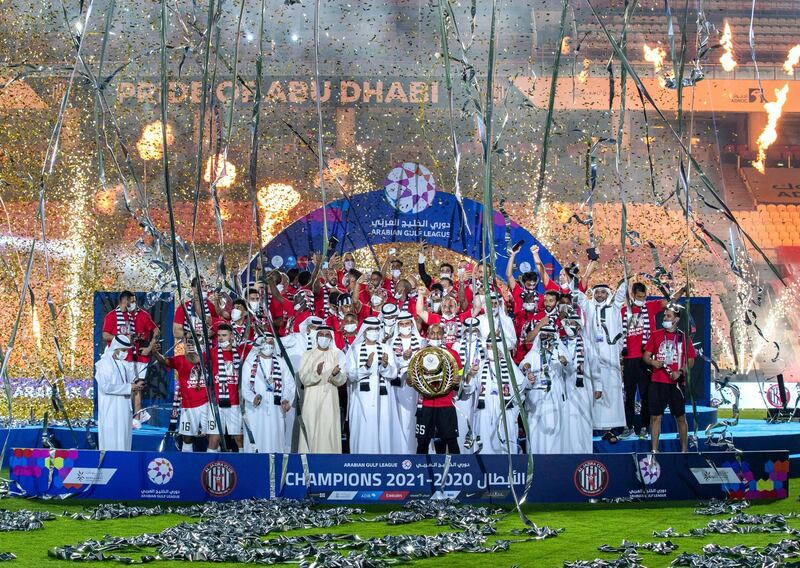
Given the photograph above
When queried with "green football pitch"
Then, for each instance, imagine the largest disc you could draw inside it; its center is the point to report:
(586, 526)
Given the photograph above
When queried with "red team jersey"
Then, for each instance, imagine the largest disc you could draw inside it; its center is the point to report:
(190, 381)
(233, 380)
(139, 323)
(180, 314)
(671, 349)
(634, 341)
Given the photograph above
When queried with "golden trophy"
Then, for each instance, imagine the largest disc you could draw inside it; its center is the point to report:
(433, 372)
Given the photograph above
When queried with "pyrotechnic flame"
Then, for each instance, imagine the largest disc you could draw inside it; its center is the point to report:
(565, 47)
(770, 132)
(584, 74)
(149, 145)
(728, 59)
(655, 56)
(274, 203)
(225, 172)
(792, 59)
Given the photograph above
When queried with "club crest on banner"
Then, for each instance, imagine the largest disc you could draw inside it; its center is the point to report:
(218, 478)
(591, 478)
(773, 395)
(410, 188)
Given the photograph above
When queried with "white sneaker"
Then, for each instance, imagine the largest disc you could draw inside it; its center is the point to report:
(627, 433)
(643, 434)
(136, 424)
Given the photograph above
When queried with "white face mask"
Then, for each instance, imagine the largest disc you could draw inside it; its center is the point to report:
(389, 324)
(280, 288)
(323, 342)
(639, 303)
(405, 329)
(349, 265)
(668, 325)
(120, 354)
(435, 342)
(376, 300)
(436, 306)
(236, 314)
(395, 273)
(528, 306)
(253, 305)
(224, 344)
(131, 306)
(444, 275)
(496, 311)
(373, 334)
(350, 327)
(267, 349)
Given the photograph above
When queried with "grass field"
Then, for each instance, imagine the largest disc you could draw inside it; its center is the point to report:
(586, 527)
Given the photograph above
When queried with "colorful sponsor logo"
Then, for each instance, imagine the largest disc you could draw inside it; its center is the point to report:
(649, 470)
(591, 478)
(406, 464)
(160, 471)
(394, 495)
(218, 478)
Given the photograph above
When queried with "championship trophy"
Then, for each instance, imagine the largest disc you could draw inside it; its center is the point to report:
(433, 372)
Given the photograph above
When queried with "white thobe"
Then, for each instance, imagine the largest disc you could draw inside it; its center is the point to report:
(465, 402)
(489, 419)
(577, 425)
(114, 412)
(404, 400)
(296, 345)
(267, 420)
(603, 369)
(369, 412)
(545, 406)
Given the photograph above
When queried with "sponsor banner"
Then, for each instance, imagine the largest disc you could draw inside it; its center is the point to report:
(175, 476)
(775, 185)
(120, 476)
(761, 395)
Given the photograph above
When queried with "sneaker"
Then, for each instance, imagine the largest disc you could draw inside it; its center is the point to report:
(136, 424)
(643, 435)
(627, 433)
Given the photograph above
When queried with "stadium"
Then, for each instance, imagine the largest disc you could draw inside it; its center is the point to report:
(218, 219)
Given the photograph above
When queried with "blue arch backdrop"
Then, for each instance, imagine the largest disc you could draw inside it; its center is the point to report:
(406, 211)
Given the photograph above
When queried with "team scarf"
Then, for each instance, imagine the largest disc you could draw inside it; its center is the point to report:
(486, 376)
(192, 314)
(363, 355)
(471, 347)
(601, 322)
(239, 332)
(452, 329)
(398, 342)
(643, 318)
(276, 378)
(125, 326)
(222, 376)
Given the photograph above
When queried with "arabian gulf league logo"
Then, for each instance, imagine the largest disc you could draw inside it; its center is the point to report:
(160, 471)
(410, 188)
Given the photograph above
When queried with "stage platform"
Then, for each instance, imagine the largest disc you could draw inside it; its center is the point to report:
(748, 435)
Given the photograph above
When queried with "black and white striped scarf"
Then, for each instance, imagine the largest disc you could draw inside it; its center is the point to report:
(222, 376)
(276, 378)
(473, 348)
(190, 313)
(488, 382)
(398, 343)
(602, 322)
(643, 318)
(363, 355)
(125, 324)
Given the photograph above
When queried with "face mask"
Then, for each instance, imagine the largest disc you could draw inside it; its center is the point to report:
(639, 303)
(280, 288)
(667, 325)
(323, 342)
(236, 314)
(350, 327)
(120, 355)
(373, 334)
(389, 324)
(435, 342)
(132, 307)
(437, 306)
(267, 349)
(496, 311)
(376, 300)
(528, 306)
(444, 275)
(395, 273)
(349, 265)
(405, 330)
(253, 305)
(224, 344)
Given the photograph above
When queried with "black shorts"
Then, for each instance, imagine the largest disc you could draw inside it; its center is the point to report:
(437, 421)
(661, 395)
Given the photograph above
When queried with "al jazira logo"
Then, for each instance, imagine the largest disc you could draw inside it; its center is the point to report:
(649, 470)
(410, 188)
(591, 478)
(218, 478)
(160, 471)
(773, 395)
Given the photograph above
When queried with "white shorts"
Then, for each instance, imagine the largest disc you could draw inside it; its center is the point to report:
(194, 421)
(231, 419)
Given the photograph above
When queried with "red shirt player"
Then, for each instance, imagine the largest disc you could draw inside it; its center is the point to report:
(451, 319)
(671, 354)
(437, 415)
(226, 367)
(127, 319)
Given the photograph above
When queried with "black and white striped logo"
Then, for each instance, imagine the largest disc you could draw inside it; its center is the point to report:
(218, 478)
(591, 478)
